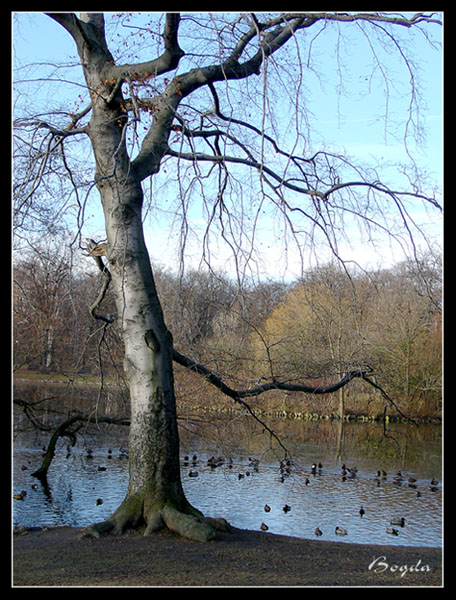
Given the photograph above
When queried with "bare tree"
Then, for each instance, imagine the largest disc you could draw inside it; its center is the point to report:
(185, 104)
(42, 296)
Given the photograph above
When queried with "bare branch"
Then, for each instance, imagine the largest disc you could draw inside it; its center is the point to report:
(388, 398)
(166, 62)
(273, 385)
(373, 17)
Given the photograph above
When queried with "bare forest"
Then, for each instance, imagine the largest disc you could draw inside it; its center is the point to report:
(273, 331)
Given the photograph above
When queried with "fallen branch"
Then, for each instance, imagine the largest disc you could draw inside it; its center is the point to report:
(64, 431)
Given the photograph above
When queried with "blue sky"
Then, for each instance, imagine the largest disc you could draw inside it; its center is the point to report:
(364, 120)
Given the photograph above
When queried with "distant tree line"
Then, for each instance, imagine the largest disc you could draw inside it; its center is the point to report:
(317, 327)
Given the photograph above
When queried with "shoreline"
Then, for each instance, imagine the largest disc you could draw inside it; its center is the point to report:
(48, 557)
(221, 408)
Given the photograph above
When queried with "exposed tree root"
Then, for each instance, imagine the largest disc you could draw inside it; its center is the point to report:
(189, 526)
(189, 523)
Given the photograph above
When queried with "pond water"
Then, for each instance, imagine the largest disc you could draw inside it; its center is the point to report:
(239, 492)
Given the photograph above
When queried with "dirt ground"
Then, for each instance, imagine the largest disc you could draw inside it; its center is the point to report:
(58, 557)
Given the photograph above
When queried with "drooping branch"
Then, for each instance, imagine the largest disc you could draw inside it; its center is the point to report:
(290, 184)
(215, 380)
(238, 395)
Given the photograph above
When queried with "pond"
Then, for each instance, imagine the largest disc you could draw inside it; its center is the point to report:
(82, 489)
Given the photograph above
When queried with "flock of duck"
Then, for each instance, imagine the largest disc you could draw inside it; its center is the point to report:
(285, 469)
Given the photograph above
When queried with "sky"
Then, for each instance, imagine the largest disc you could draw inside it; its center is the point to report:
(363, 120)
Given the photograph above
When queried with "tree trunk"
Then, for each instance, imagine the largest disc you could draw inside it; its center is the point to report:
(341, 403)
(155, 496)
(47, 353)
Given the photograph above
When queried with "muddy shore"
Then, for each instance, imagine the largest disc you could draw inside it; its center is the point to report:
(58, 557)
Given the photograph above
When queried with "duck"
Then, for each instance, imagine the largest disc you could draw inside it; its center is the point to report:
(313, 469)
(215, 462)
(20, 496)
(286, 508)
(411, 480)
(193, 473)
(99, 501)
(318, 531)
(341, 531)
(398, 521)
(241, 475)
(434, 482)
(267, 508)
(392, 531)
(264, 527)
(100, 468)
(285, 466)
(362, 512)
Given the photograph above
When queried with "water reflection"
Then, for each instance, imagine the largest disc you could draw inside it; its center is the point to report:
(239, 492)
